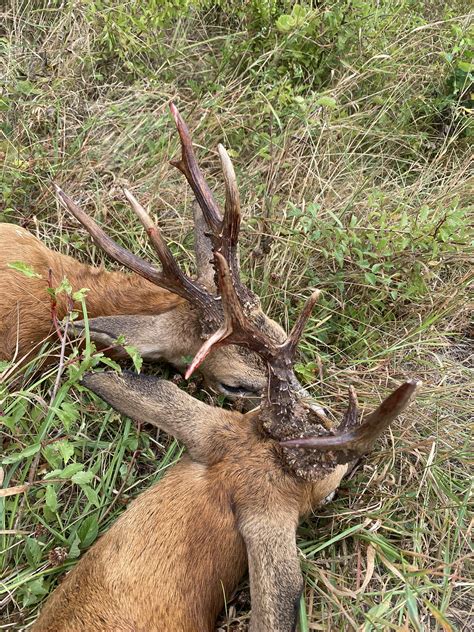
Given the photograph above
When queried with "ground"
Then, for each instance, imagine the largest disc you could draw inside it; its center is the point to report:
(350, 127)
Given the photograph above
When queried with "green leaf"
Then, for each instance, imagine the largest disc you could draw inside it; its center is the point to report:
(51, 454)
(33, 552)
(299, 13)
(19, 456)
(65, 449)
(68, 414)
(136, 357)
(71, 469)
(25, 87)
(466, 66)
(91, 495)
(285, 23)
(74, 550)
(110, 363)
(33, 591)
(64, 286)
(51, 499)
(80, 294)
(326, 102)
(88, 531)
(53, 474)
(370, 278)
(24, 268)
(81, 478)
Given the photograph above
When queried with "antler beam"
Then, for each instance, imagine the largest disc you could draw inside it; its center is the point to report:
(359, 440)
(170, 278)
(189, 167)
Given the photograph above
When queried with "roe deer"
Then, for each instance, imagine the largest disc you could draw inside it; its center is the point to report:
(234, 501)
(165, 314)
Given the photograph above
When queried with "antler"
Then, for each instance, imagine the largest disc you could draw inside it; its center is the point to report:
(224, 231)
(171, 277)
(353, 439)
(189, 167)
(239, 329)
(281, 413)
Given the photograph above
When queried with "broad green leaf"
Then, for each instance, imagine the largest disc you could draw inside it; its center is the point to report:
(81, 478)
(68, 414)
(33, 551)
(51, 499)
(34, 591)
(370, 278)
(326, 102)
(65, 449)
(91, 494)
(19, 456)
(74, 550)
(71, 469)
(466, 66)
(136, 357)
(88, 531)
(24, 268)
(285, 23)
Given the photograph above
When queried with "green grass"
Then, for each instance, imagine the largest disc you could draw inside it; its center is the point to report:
(351, 134)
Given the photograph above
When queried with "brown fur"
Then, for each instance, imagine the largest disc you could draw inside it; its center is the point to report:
(160, 324)
(25, 305)
(172, 558)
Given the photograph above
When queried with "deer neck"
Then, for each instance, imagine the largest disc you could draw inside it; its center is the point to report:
(112, 293)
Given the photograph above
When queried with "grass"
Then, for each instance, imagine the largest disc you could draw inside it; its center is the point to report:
(354, 158)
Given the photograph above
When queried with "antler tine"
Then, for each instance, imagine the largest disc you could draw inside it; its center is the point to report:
(167, 260)
(232, 216)
(237, 328)
(120, 254)
(359, 440)
(181, 283)
(189, 167)
(172, 279)
(291, 343)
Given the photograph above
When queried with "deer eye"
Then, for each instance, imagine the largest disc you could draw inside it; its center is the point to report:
(242, 391)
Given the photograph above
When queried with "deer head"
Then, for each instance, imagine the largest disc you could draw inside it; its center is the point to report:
(233, 371)
(263, 469)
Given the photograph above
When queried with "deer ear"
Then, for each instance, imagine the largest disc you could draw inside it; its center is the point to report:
(276, 582)
(146, 398)
(203, 249)
(151, 335)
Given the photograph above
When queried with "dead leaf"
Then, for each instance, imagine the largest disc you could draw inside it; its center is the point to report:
(11, 491)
